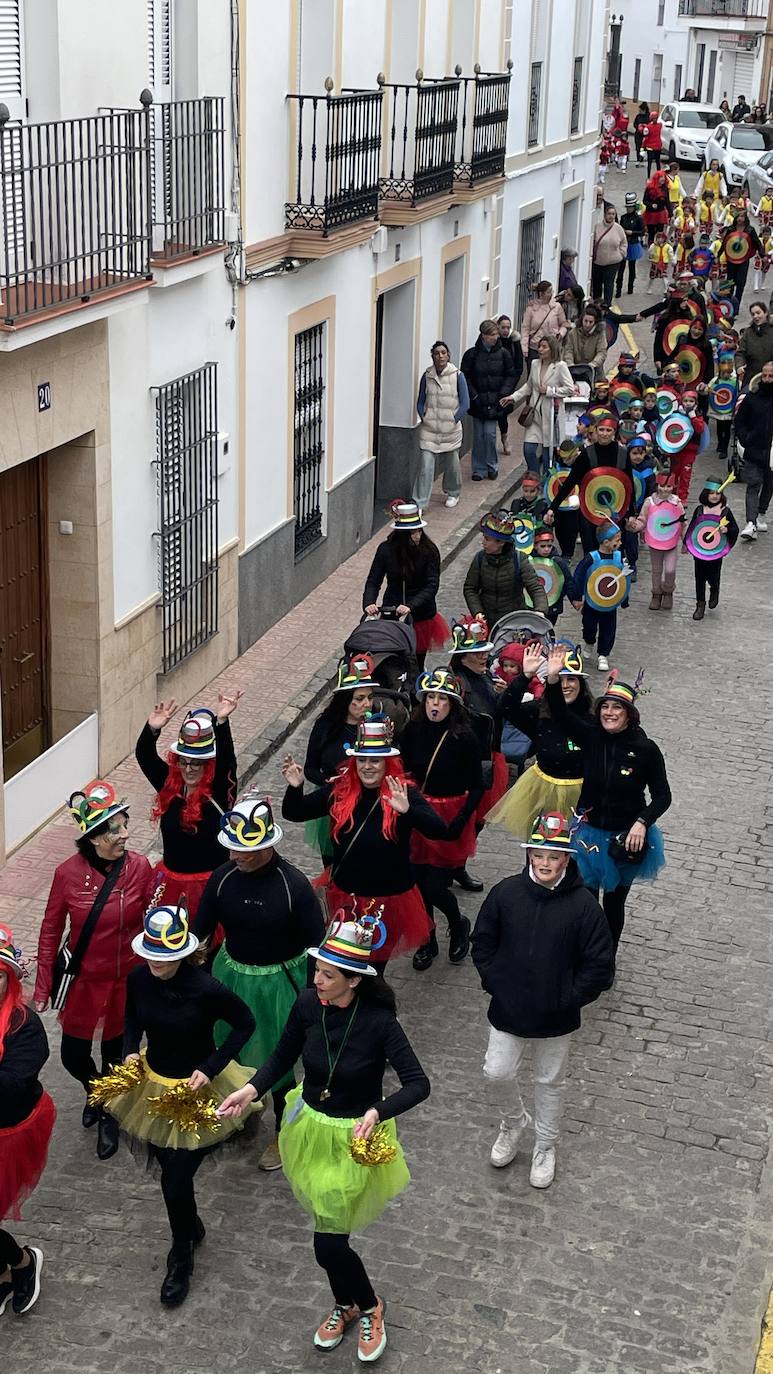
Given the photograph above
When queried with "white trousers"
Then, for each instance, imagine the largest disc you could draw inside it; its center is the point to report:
(504, 1059)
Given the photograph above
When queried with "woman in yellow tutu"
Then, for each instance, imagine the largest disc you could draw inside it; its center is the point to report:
(553, 781)
(176, 1005)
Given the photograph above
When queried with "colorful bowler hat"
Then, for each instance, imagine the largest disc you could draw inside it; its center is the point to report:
(196, 739)
(165, 934)
(470, 635)
(10, 955)
(355, 672)
(406, 516)
(551, 832)
(374, 737)
(249, 826)
(348, 945)
(96, 804)
(441, 681)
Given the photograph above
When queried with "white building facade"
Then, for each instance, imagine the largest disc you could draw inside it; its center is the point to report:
(715, 47)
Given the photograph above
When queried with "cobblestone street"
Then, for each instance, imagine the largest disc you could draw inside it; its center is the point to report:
(651, 1252)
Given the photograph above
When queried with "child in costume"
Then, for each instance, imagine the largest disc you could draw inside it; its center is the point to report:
(531, 502)
(662, 561)
(708, 571)
(601, 624)
(682, 251)
(762, 259)
(723, 419)
(643, 470)
(622, 149)
(545, 557)
(675, 187)
(627, 370)
(700, 260)
(567, 521)
(661, 255)
(765, 210)
(682, 462)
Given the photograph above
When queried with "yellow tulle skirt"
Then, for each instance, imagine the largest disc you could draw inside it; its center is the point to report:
(534, 794)
(130, 1110)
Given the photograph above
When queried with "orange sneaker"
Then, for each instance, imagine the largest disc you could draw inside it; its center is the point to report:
(372, 1339)
(331, 1332)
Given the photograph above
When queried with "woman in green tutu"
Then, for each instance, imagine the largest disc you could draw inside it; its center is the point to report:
(346, 1031)
(553, 781)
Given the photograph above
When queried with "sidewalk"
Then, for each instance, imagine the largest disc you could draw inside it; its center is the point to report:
(285, 675)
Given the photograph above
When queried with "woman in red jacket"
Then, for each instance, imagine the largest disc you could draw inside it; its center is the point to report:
(653, 141)
(96, 998)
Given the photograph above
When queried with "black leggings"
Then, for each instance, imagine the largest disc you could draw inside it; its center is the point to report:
(345, 1271)
(631, 264)
(653, 159)
(10, 1252)
(76, 1057)
(613, 903)
(567, 527)
(434, 884)
(707, 574)
(279, 1098)
(178, 1170)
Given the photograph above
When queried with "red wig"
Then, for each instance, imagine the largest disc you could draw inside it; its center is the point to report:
(13, 1012)
(175, 787)
(347, 790)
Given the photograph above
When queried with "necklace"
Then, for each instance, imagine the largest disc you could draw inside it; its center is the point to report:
(332, 1063)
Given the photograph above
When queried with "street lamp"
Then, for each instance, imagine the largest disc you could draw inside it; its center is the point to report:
(614, 57)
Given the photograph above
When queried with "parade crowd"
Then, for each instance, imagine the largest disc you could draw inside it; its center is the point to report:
(223, 983)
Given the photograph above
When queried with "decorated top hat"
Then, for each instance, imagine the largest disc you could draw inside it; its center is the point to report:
(373, 739)
(196, 739)
(96, 804)
(440, 681)
(348, 945)
(249, 826)
(406, 516)
(10, 954)
(498, 524)
(550, 832)
(165, 934)
(572, 665)
(355, 672)
(470, 635)
(622, 691)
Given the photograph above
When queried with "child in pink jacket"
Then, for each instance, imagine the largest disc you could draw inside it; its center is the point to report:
(663, 542)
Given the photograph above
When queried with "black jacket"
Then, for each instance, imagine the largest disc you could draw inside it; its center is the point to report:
(444, 769)
(754, 424)
(542, 954)
(594, 456)
(672, 308)
(26, 1051)
(325, 750)
(618, 769)
(490, 374)
(634, 226)
(558, 755)
(418, 589)
(513, 346)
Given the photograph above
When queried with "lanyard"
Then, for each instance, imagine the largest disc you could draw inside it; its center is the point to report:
(332, 1063)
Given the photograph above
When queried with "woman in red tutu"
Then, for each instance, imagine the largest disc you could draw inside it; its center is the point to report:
(410, 563)
(107, 879)
(196, 783)
(374, 811)
(442, 754)
(27, 1117)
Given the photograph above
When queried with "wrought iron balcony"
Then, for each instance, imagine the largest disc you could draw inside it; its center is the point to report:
(337, 150)
(74, 210)
(482, 128)
(724, 9)
(422, 139)
(188, 177)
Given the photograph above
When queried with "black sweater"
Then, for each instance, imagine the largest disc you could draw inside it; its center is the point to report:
(178, 1017)
(594, 456)
(417, 588)
(373, 866)
(325, 750)
(191, 851)
(456, 767)
(618, 769)
(26, 1051)
(557, 754)
(376, 1039)
(268, 916)
(542, 954)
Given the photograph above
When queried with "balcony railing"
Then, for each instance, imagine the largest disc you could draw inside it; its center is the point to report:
(725, 9)
(74, 209)
(482, 128)
(337, 150)
(188, 177)
(422, 139)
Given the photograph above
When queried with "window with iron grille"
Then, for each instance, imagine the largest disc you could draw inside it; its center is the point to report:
(186, 479)
(576, 95)
(309, 437)
(535, 87)
(530, 265)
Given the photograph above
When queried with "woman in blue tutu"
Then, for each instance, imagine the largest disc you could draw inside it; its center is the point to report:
(618, 840)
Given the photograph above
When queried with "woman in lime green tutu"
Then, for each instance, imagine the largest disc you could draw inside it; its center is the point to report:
(346, 1031)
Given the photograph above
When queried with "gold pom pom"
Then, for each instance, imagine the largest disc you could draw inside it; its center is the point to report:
(377, 1149)
(187, 1109)
(119, 1080)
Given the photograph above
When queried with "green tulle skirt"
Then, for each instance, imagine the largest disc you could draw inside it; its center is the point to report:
(341, 1195)
(270, 996)
(316, 833)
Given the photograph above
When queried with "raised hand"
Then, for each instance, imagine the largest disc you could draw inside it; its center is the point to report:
(227, 704)
(398, 795)
(292, 772)
(532, 658)
(555, 663)
(162, 714)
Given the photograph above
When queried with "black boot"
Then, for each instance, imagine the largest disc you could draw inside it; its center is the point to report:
(700, 610)
(422, 959)
(174, 1289)
(107, 1135)
(199, 1232)
(713, 598)
(460, 941)
(89, 1115)
(466, 881)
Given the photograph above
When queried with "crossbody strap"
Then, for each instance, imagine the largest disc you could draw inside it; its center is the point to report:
(82, 943)
(285, 969)
(437, 749)
(355, 837)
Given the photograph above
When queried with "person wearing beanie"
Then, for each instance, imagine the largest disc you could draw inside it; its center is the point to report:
(660, 518)
(635, 230)
(598, 620)
(754, 431)
(712, 507)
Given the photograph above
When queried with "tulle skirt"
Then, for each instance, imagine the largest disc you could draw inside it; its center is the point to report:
(317, 836)
(270, 995)
(598, 870)
(130, 1110)
(405, 916)
(431, 634)
(176, 885)
(96, 1004)
(534, 794)
(23, 1155)
(445, 853)
(497, 789)
(341, 1195)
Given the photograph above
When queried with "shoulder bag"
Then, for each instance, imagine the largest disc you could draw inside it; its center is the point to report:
(68, 962)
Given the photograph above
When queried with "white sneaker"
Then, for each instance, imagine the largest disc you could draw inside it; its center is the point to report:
(543, 1167)
(505, 1147)
(749, 531)
(452, 500)
(603, 664)
(762, 525)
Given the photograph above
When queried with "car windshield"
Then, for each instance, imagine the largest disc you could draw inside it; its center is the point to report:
(700, 119)
(753, 137)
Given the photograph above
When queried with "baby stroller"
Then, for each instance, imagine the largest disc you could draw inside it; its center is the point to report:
(523, 626)
(582, 376)
(392, 645)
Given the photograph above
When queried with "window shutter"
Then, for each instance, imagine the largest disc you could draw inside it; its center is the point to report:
(12, 86)
(160, 41)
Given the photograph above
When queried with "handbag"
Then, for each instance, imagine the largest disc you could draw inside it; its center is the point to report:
(621, 855)
(68, 961)
(526, 416)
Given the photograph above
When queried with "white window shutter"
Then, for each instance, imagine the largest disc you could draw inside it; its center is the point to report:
(160, 48)
(12, 83)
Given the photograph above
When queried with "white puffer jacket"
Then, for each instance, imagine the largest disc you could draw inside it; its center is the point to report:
(439, 431)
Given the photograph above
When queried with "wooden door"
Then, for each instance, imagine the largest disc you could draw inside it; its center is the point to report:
(23, 614)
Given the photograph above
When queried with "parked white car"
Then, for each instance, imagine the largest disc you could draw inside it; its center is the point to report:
(737, 147)
(686, 129)
(759, 179)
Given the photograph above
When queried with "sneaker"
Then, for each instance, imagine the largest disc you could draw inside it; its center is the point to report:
(762, 525)
(543, 1167)
(331, 1332)
(6, 1291)
(372, 1338)
(26, 1282)
(477, 477)
(603, 664)
(505, 1147)
(749, 531)
(270, 1159)
(452, 501)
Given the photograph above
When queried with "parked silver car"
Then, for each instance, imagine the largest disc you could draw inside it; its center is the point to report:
(759, 178)
(737, 148)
